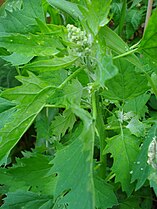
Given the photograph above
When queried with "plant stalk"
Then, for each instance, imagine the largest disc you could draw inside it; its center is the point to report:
(125, 54)
(149, 11)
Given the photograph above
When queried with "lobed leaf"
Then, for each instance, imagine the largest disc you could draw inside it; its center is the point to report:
(126, 84)
(20, 199)
(62, 123)
(29, 172)
(137, 105)
(70, 94)
(23, 20)
(136, 127)
(31, 98)
(124, 150)
(75, 162)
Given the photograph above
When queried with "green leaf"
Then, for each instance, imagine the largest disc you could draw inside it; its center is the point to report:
(31, 45)
(70, 94)
(68, 7)
(130, 203)
(148, 44)
(30, 171)
(62, 123)
(27, 200)
(6, 116)
(17, 59)
(124, 150)
(134, 3)
(75, 162)
(22, 20)
(141, 169)
(97, 15)
(115, 43)
(31, 98)
(136, 127)
(56, 78)
(12, 5)
(126, 84)
(5, 104)
(104, 194)
(133, 21)
(42, 125)
(55, 63)
(7, 75)
(106, 70)
(137, 105)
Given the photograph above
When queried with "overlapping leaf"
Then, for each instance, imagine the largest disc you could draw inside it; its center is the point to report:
(30, 99)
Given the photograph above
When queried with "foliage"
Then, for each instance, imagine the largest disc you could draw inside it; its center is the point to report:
(77, 105)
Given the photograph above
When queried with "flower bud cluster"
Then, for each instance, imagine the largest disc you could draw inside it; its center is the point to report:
(78, 37)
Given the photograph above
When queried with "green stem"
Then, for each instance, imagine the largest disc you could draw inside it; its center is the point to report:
(54, 106)
(126, 53)
(94, 108)
(135, 45)
(18, 70)
(99, 124)
(110, 176)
